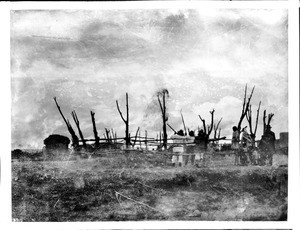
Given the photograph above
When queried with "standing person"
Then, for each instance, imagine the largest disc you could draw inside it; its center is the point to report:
(201, 141)
(190, 148)
(178, 148)
(246, 144)
(267, 144)
(235, 144)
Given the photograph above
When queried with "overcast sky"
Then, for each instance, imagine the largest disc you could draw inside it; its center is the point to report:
(89, 59)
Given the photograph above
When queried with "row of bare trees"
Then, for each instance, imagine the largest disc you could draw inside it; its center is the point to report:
(75, 140)
(162, 96)
(207, 129)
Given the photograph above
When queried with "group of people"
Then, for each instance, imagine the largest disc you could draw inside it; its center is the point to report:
(189, 148)
(245, 150)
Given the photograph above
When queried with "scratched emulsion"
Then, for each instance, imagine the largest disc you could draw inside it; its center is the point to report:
(88, 59)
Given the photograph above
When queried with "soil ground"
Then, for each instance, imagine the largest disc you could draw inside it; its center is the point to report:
(118, 186)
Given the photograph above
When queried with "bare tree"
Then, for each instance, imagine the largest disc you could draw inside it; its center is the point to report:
(245, 108)
(75, 140)
(249, 119)
(161, 96)
(127, 136)
(75, 118)
(216, 129)
(207, 130)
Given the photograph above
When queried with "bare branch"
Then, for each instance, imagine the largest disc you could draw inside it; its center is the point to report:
(171, 128)
(256, 121)
(75, 118)
(244, 103)
(161, 107)
(216, 128)
(264, 120)
(120, 111)
(204, 125)
(183, 122)
(135, 136)
(270, 116)
(245, 107)
(95, 129)
(60, 110)
(212, 122)
(249, 118)
(219, 123)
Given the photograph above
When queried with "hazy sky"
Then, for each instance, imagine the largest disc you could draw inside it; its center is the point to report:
(89, 59)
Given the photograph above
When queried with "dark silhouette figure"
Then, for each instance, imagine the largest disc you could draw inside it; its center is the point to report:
(201, 141)
(267, 145)
(235, 144)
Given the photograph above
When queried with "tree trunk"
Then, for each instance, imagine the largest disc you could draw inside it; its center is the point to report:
(95, 130)
(75, 118)
(127, 122)
(127, 136)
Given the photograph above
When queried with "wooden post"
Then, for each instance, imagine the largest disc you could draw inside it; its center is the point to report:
(146, 140)
(136, 134)
(140, 139)
(159, 138)
(107, 134)
(75, 118)
(95, 129)
(112, 136)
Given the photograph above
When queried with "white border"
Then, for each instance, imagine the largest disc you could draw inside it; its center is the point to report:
(294, 175)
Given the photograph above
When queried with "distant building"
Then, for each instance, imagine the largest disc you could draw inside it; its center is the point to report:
(282, 143)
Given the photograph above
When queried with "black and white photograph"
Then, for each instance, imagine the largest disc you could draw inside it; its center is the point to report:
(149, 114)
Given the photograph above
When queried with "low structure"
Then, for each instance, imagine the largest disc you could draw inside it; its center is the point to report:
(282, 143)
(56, 145)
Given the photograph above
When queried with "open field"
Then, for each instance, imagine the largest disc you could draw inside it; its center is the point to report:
(140, 186)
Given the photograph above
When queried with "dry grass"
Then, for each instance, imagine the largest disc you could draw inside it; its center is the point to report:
(143, 187)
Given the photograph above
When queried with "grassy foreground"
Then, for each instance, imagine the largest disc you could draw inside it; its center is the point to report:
(121, 187)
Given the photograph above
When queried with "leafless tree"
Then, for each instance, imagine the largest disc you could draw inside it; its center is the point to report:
(75, 140)
(245, 108)
(207, 130)
(249, 119)
(216, 129)
(161, 96)
(127, 136)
